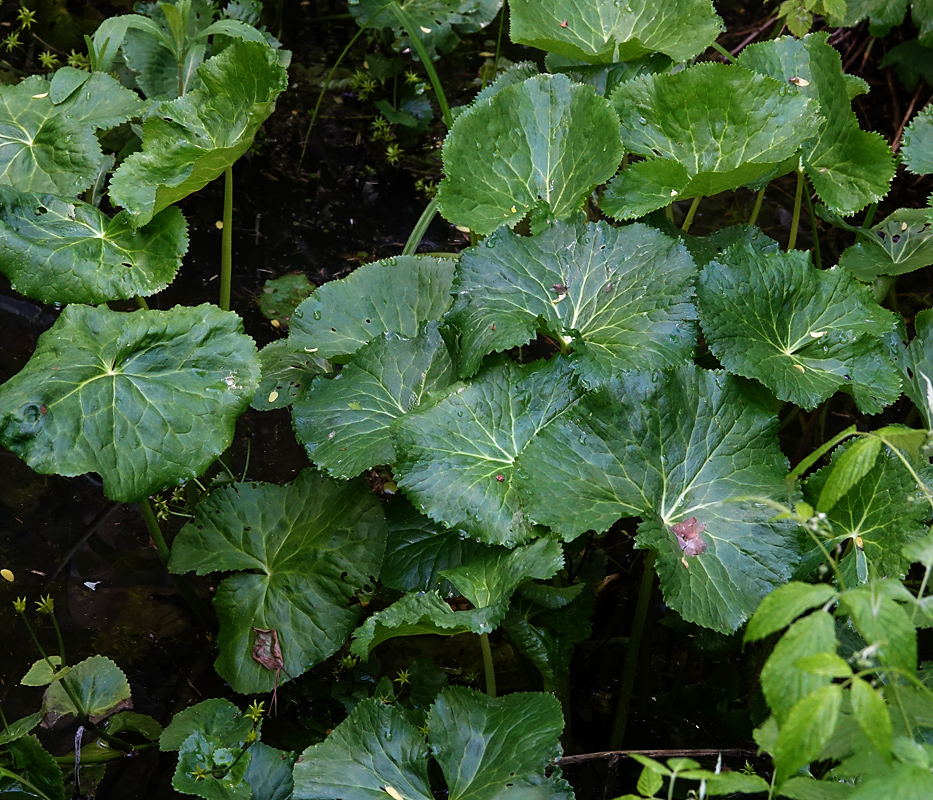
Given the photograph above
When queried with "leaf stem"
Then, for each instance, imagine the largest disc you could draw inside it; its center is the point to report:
(141, 302)
(226, 242)
(756, 209)
(421, 227)
(795, 222)
(688, 220)
(416, 42)
(488, 665)
(723, 52)
(152, 524)
(817, 258)
(623, 706)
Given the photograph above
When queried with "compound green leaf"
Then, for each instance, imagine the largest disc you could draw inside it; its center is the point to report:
(286, 375)
(34, 763)
(917, 144)
(437, 22)
(848, 167)
(538, 147)
(49, 146)
(374, 748)
(146, 399)
(99, 686)
(871, 712)
(905, 781)
(878, 515)
(456, 458)
(808, 727)
(189, 141)
(803, 332)
(64, 251)
(707, 129)
(677, 449)
(782, 681)
(916, 367)
(487, 746)
(308, 547)
(884, 625)
(394, 295)
(603, 31)
(345, 423)
(901, 243)
(780, 608)
(620, 296)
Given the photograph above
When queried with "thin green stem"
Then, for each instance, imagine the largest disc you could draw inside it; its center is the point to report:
(152, 524)
(817, 258)
(688, 221)
(627, 683)
(756, 209)
(141, 302)
(723, 52)
(488, 665)
(416, 42)
(226, 242)
(795, 222)
(61, 642)
(421, 227)
(495, 61)
(5, 773)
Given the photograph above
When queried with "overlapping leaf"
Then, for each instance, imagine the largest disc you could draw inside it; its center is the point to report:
(98, 684)
(538, 147)
(394, 295)
(601, 31)
(47, 141)
(309, 546)
(848, 167)
(902, 243)
(486, 748)
(456, 458)
(190, 141)
(621, 296)
(916, 367)
(671, 447)
(873, 520)
(707, 129)
(145, 399)
(346, 422)
(437, 22)
(286, 375)
(804, 333)
(917, 145)
(64, 251)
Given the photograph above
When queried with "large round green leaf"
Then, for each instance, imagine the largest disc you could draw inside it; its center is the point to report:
(620, 296)
(146, 399)
(539, 146)
(190, 141)
(302, 551)
(65, 251)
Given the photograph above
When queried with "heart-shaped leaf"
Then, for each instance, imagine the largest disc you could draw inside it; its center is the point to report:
(97, 683)
(804, 333)
(537, 147)
(146, 399)
(308, 547)
(620, 296)
(65, 251)
(190, 141)
(601, 31)
(707, 129)
(346, 422)
(678, 449)
(394, 295)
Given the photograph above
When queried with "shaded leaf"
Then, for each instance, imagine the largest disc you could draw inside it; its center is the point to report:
(850, 468)
(808, 726)
(36, 765)
(884, 625)
(286, 375)
(64, 251)
(18, 729)
(309, 546)
(901, 243)
(270, 772)
(97, 683)
(345, 423)
(917, 144)
(620, 296)
(538, 147)
(146, 399)
(281, 296)
(915, 365)
(394, 295)
(804, 333)
(667, 447)
(871, 712)
(780, 608)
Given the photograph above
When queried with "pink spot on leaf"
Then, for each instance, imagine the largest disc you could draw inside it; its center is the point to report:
(688, 536)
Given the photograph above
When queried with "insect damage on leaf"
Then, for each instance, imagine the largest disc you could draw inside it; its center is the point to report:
(688, 537)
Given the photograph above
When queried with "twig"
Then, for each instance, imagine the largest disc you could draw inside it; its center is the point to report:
(905, 120)
(702, 752)
(753, 35)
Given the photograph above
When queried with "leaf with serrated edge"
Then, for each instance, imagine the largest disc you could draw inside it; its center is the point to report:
(345, 422)
(848, 167)
(51, 147)
(871, 712)
(189, 141)
(373, 748)
(541, 145)
(808, 726)
(286, 375)
(603, 30)
(146, 399)
(780, 608)
(64, 251)
(308, 547)
(804, 333)
(668, 447)
(456, 458)
(901, 243)
(707, 129)
(394, 295)
(484, 744)
(34, 763)
(884, 624)
(915, 365)
(621, 296)
(97, 683)
(270, 772)
(917, 144)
